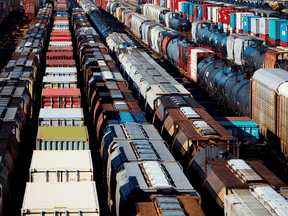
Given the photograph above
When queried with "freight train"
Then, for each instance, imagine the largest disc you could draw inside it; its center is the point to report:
(117, 146)
(18, 81)
(228, 83)
(140, 174)
(237, 185)
(61, 170)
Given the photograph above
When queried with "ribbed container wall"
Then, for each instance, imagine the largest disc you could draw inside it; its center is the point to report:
(263, 107)
(283, 123)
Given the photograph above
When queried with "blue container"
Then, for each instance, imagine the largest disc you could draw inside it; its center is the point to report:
(243, 130)
(191, 8)
(186, 8)
(283, 30)
(164, 3)
(233, 20)
(183, 7)
(247, 22)
(274, 28)
(220, 26)
(200, 11)
(126, 117)
(196, 18)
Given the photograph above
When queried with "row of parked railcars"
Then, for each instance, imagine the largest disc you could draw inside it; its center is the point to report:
(140, 174)
(116, 42)
(240, 187)
(61, 178)
(229, 84)
(185, 125)
(17, 92)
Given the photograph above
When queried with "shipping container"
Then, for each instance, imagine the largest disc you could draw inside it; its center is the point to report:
(61, 98)
(59, 82)
(243, 128)
(274, 28)
(61, 166)
(62, 138)
(61, 71)
(66, 198)
(195, 56)
(61, 117)
(265, 25)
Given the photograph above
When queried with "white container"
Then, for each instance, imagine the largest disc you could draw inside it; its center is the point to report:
(60, 71)
(209, 13)
(61, 166)
(55, 82)
(193, 63)
(61, 117)
(255, 24)
(239, 19)
(264, 25)
(214, 14)
(225, 28)
(77, 198)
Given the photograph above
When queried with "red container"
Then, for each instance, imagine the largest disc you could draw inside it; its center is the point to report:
(59, 56)
(60, 63)
(60, 39)
(219, 14)
(60, 49)
(195, 10)
(240, 31)
(61, 98)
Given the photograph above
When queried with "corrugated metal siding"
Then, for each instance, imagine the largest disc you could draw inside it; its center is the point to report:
(263, 107)
(283, 123)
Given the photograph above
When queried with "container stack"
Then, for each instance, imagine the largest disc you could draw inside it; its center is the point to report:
(61, 170)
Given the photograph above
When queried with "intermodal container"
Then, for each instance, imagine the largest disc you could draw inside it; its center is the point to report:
(242, 128)
(61, 166)
(65, 198)
(62, 138)
(233, 20)
(274, 28)
(264, 25)
(284, 30)
(61, 117)
(61, 98)
(247, 22)
(56, 82)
